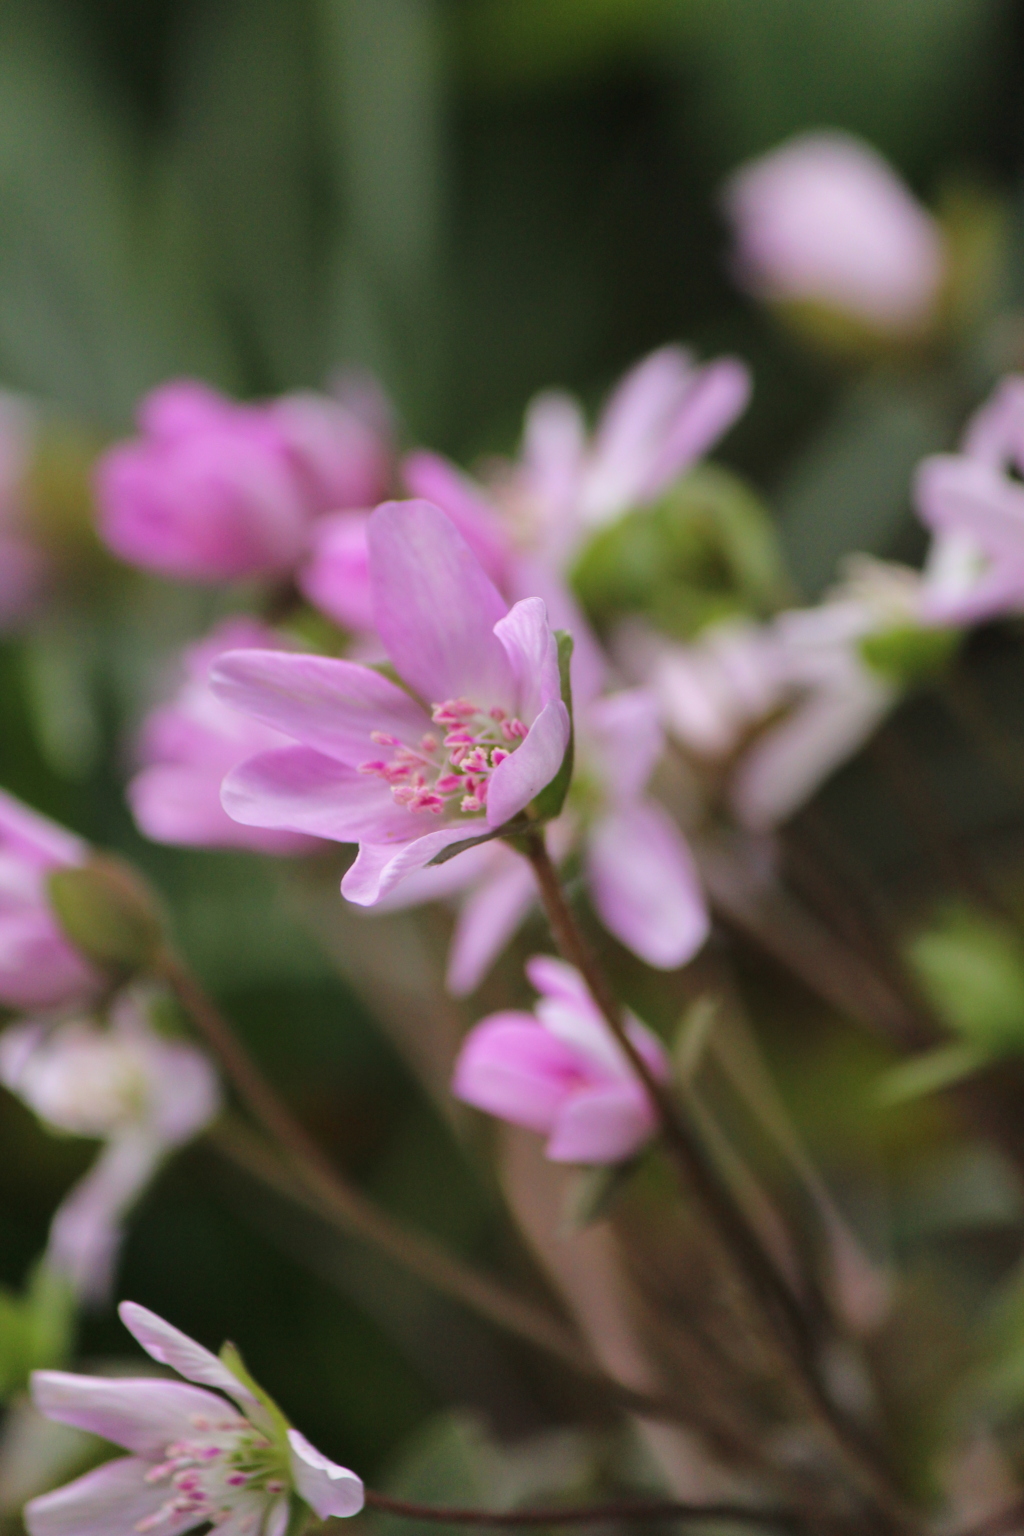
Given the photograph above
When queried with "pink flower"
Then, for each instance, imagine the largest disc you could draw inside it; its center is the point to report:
(824, 219)
(373, 764)
(38, 967)
(214, 490)
(139, 1093)
(198, 1457)
(660, 419)
(975, 510)
(336, 577)
(640, 873)
(189, 745)
(559, 1071)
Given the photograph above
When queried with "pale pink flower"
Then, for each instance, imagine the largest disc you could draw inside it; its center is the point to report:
(659, 420)
(973, 502)
(373, 764)
(216, 1457)
(190, 743)
(560, 1071)
(125, 1085)
(824, 219)
(214, 490)
(39, 968)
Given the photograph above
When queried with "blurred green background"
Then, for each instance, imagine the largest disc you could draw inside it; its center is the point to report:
(474, 199)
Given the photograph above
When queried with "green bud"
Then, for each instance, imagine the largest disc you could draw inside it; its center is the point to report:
(109, 913)
(909, 653)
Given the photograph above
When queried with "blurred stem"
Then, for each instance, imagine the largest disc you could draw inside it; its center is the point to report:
(313, 1180)
(767, 1287)
(592, 1514)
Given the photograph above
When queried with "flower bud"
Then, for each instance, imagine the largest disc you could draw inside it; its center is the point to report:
(108, 912)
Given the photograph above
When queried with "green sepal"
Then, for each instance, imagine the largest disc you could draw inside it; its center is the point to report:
(548, 804)
(108, 913)
(909, 653)
(592, 1193)
(275, 1424)
(514, 828)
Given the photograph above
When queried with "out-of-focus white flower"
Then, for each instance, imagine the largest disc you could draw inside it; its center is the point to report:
(824, 219)
(125, 1085)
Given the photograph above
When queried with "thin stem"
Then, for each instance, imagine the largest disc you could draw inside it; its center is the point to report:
(593, 1514)
(313, 1180)
(1003, 1523)
(769, 1289)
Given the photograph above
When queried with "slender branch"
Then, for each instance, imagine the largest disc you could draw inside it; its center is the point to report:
(593, 1514)
(769, 1289)
(310, 1178)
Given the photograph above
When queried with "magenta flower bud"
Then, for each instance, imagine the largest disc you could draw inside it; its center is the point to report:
(39, 968)
(823, 219)
(560, 1071)
(188, 745)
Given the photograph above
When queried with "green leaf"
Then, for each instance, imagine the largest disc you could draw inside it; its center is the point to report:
(972, 970)
(930, 1073)
(36, 1328)
(548, 804)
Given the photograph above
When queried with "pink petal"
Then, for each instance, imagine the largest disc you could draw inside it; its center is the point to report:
(554, 446)
(109, 1501)
(336, 578)
(296, 789)
(532, 652)
(645, 886)
(379, 867)
(955, 493)
(510, 1067)
(486, 922)
(539, 578)
(182, 806)
(169, 1346)
(327, 1488)
(531, 767)
(143, 1415)
(995, 433)
(85, 1234)
(325, 703)
(602, 1125)
(38, 967)
(559, 980)
(435, 607)
(430, 477)
(719, 393)
(36, 838)
(624, 736)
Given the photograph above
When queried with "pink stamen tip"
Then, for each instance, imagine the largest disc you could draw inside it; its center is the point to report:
(237, 1480)
(498, 756)
(496, 713)
(275, 1485)
(429, 743)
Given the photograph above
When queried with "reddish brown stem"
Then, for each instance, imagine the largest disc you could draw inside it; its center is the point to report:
(592, 1514)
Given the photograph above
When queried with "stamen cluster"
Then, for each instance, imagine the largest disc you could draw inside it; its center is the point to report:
(213, 1475)
(457, 765)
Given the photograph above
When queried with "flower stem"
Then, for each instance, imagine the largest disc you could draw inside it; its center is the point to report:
(591, 1514)
(312, 1180)
(767, 1287)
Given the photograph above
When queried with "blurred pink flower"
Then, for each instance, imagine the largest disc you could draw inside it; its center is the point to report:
(125, 1085)
(189, 744)
(659, 420)
(559, 1071)
(973, 502)
(39, 968)
(336, 576)
(198, 1457)
(214, 490)
(824, 219)
(375, 766)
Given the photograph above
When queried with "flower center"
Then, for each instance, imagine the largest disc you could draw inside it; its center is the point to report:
(449, 767)
(224, 1465)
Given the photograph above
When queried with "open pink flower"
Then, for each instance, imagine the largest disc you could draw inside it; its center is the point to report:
(640, 874)
(38, 967)
(374, 765)
(660, 419)
(123, 1084)
(214, 490)
(824, 219)
(189, 744)
(215, 1457)
(974, 506)
(559, 1071)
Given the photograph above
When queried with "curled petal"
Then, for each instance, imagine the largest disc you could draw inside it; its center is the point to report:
(522, 776)
(169, 1346)
(327, 1488)
(380, 867)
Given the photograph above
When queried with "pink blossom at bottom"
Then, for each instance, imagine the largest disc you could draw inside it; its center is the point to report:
(197, 1456)
(560, 1072)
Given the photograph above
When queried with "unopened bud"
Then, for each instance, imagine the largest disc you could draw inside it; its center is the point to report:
(108, 912)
